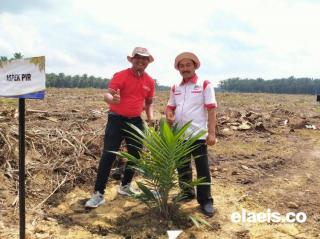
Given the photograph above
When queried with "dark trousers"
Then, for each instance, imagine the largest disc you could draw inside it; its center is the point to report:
(114, 134)
(202, 168)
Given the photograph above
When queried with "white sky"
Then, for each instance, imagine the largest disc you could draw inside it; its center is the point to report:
(232, 38)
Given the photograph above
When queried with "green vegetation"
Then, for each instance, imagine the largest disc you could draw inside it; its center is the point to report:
(65, 81)
(165, 151)
(4, 59)
(289, 85)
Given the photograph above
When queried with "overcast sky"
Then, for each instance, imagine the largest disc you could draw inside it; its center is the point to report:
(238, 38)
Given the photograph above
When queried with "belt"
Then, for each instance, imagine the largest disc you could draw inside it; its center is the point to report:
(123, 117)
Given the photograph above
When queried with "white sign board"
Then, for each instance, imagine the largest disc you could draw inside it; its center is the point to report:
(23, 78)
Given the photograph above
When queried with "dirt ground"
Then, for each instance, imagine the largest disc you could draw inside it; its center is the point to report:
(267, 159)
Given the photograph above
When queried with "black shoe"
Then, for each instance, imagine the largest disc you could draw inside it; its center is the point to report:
(207, 209)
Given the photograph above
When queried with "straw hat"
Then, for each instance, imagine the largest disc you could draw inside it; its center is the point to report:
(142, 52)
(187, 55)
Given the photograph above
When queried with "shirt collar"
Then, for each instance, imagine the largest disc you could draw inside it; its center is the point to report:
(192, 80)
(132, 73)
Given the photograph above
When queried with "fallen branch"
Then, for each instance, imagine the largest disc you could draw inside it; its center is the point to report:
(36, 111)
(44, 200)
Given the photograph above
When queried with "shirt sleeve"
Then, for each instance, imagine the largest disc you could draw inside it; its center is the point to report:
(116, 82)
(152, 89)
(171, 102)
(209, 95)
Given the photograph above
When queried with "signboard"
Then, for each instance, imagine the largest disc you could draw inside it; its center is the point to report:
(23, 78)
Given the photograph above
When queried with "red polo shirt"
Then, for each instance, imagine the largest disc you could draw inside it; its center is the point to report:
(133, 92)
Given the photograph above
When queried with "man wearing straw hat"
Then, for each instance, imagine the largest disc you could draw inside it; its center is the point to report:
(194, 100)
(130, 91)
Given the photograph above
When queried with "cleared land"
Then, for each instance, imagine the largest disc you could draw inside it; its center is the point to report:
(267, 157)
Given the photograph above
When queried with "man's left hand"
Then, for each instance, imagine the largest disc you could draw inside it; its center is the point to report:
(211, 139)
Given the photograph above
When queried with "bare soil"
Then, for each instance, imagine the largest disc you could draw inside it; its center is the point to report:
(267, 157)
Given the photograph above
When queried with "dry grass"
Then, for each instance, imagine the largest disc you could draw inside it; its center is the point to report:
(253, 168)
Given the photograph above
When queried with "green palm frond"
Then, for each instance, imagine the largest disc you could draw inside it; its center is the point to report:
(164, 151)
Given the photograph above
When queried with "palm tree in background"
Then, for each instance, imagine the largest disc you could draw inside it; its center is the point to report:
(3, 58)
(17, 55)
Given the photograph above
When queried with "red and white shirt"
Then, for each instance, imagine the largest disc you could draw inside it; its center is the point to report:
(191, 101)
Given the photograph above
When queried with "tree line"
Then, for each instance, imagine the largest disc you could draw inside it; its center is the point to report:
(84, 81)
(290, 85)
(66, 81)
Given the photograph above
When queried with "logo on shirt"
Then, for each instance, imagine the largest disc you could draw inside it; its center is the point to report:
(196, 89)
(146, 88)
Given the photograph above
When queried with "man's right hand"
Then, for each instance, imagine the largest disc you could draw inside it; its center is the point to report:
(112, 96)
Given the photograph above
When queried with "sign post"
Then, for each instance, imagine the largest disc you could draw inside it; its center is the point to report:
(22, 206)
(23, 79)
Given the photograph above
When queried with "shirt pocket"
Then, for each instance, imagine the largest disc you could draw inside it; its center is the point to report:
(196, 97)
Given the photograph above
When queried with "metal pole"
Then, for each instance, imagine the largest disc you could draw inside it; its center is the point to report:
(22, 212)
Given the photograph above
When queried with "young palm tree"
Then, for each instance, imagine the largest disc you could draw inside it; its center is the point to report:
(164, 151)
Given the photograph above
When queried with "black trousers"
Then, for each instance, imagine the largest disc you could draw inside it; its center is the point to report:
(114, 134)
(202, 168)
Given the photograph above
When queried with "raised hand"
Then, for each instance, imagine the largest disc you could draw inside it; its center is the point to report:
(116, 97)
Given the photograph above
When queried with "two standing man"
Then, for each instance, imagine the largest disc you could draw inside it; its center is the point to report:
(129, 92)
